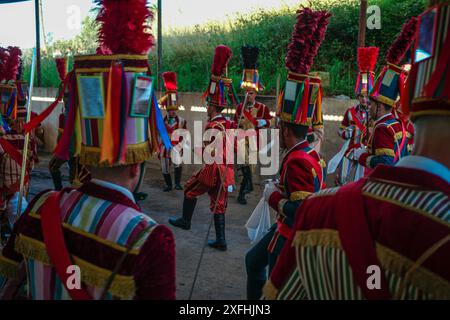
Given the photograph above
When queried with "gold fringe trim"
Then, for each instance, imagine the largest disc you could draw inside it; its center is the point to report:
(414, 115)
(9, 268)
(270, 292)
(422, 278)
(385, 100)
(102, 70)
(110, 57)
(299, 195)
(322, 237)
(123, 286)
(384, 152)
(136, 153)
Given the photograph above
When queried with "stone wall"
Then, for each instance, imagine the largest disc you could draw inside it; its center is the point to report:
(332, 108)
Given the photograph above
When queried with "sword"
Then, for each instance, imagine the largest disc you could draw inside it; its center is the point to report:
(277, 97)
(27, 137)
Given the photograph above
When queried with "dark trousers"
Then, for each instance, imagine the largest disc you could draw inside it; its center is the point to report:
(257, 260)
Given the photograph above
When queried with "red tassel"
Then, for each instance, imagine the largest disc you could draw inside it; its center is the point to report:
(13, 153)
(34, 123)
(305, 102)
(61, 66)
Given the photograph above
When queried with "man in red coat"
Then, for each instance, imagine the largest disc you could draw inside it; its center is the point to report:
(255, 115)
(217, 177)
(386, 235)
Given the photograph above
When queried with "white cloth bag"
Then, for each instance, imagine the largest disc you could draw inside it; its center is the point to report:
(259, 222)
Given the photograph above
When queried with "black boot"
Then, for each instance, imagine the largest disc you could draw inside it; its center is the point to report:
(248, 178)
(178, 171)
(57, 180)
(168, 180)
(188, 210)
(241, 198)
(219, 224)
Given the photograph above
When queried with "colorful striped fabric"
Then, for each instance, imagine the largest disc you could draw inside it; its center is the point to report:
(108, 224)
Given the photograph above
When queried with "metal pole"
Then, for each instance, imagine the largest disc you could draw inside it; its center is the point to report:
(27, 137)
(362, 24)
(159, 64)
(38, 42)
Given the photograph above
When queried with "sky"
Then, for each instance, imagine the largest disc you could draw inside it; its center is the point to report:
(62, 18)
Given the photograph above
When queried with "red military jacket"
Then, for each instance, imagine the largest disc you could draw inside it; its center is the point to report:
(171, 126)
(302, 173)
(209, 173)
(259, 111)
(391, 140)
(387, 220)
(356, 117)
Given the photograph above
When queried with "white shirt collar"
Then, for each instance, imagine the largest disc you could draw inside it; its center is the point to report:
(218, 116)
(382, 117)
(115, 187)
(425, 164)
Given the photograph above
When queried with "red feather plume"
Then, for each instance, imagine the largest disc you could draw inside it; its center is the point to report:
(61, 66)
(170, 80)
(298, 58)
(12, 63)
(367, 58)
(222, 55)
(123, 27)
(403, 42)
(3, 58)
(318, 36)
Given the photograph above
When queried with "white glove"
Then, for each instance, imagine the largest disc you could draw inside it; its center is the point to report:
(358, 152)
(349, 132)
(261, 123)
(13, 204)
(270, 188)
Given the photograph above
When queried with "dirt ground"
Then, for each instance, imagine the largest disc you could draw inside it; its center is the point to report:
(222, 274)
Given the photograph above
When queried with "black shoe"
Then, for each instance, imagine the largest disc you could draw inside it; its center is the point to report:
(180, 223)
(140, 196)
(168, 180)
(188, 210)
(241, 199)
(178, 171)
(219, 224)
(57, 180)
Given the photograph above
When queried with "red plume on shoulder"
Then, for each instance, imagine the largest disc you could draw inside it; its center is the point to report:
(367, 58)
(12, 63)
(61, 66)
(298, 59)
(222, 55)
(3, 58)
(403, 42)
(123, 27)
(170, 80)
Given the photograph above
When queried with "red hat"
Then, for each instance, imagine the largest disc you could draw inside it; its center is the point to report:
(429, 79)
(170, 100)
(367, 59)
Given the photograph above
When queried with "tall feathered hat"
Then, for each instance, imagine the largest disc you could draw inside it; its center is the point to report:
(388, 85)
(250, 75)
(9, 69)
(170, 99)
(220, 92)
(367, 60)
(301, 99)
(429, 79)
(113, 113)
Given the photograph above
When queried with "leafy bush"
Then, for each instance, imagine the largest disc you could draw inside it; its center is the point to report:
(189, 52)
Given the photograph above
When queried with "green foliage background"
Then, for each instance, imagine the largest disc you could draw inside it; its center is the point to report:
(189, 52)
